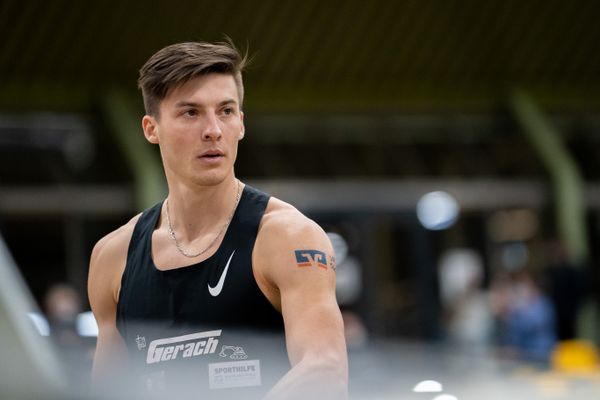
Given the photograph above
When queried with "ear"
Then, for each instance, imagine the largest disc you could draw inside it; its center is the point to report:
(243, 131)
(150, 128)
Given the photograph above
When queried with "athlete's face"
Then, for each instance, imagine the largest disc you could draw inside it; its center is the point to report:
(198, 129)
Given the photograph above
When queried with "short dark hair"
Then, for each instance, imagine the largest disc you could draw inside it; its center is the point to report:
(176, 64)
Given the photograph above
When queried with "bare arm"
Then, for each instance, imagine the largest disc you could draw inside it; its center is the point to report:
(295, 257)
(106, 267)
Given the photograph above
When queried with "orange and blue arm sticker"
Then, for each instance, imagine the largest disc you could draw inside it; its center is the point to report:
(314, 258)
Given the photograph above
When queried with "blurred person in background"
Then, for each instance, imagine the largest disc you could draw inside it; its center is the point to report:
(468, 314)
(216, 256)
(568, 286)
(63, 305)
(526, 317)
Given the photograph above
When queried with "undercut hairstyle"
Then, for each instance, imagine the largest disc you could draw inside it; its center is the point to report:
(178, 63)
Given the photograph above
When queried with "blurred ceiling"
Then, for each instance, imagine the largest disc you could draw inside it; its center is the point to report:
(313, 56)
(398, 89)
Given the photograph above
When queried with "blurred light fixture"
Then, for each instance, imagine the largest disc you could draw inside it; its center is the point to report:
(428, 386)
(340, 246)
(40, 322)
(348, 281)
(348, 276)
(86, 325)
(437, 210)
(445, 397)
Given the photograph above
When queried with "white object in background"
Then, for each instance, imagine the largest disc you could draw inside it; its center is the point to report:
(86, 324)
(437, 210)
(40, 323)
(445, 397)
(349, 282)
(340, 246)
(428, 386)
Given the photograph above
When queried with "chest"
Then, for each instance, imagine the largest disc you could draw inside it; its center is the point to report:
(216, 291)
(168, 254)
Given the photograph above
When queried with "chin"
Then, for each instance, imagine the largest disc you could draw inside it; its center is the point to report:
(209, 179)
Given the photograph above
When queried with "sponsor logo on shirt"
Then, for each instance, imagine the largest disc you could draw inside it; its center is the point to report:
(233, 352)
(234, 374)
(141, 342)
(185, 346)
(215, 291)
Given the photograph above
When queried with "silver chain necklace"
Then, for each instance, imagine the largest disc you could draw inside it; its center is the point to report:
(194, 255)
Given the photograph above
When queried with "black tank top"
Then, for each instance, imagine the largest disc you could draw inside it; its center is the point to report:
(204, 328)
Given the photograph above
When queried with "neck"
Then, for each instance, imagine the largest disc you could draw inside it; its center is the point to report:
(202, 210)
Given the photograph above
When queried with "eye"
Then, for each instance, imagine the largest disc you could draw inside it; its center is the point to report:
(190, 112)
(228, 111)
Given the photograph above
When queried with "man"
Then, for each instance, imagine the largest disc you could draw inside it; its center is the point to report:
(216, 256)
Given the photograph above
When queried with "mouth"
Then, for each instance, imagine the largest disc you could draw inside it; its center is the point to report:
(212, 154)
(212, 157)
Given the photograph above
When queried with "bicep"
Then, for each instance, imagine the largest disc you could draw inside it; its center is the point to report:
(101, 280)
(101, 292)
(301, 264)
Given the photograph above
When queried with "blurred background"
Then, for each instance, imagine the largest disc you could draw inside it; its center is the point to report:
(450, 148)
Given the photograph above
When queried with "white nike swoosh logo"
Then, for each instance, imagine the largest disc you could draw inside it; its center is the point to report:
(217, 289)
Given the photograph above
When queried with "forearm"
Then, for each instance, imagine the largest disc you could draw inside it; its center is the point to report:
(319, 378)
(110, 361)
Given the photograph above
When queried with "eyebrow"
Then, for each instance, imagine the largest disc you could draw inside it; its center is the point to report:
(181, 104)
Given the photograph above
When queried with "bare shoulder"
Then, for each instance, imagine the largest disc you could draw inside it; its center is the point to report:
(107, 261)
(287, 242)
(282, 221)
(114, 243)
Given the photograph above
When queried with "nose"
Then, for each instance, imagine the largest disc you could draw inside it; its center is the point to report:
(212, 130)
